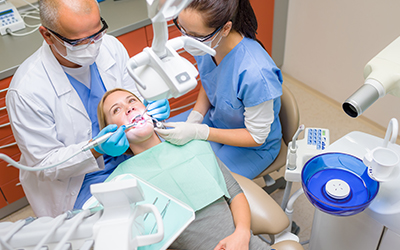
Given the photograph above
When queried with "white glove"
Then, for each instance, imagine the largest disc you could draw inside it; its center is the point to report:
(195, 117)
(183, 132)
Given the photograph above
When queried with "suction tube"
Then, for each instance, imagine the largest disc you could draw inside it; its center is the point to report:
(358, 102)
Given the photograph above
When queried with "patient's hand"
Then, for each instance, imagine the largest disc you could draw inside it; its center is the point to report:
(239, 240)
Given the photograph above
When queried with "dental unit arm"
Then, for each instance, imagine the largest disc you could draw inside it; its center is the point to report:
(160, 72)
(382, 76)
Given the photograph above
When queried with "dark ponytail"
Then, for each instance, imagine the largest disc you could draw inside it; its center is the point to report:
(219, 12)
(245, 21)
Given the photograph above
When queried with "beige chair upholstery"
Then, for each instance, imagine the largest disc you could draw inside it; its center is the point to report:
(287, 245)
(267, 217)
(290, 118)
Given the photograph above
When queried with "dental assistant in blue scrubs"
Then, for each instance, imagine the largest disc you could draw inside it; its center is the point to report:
(238, 104)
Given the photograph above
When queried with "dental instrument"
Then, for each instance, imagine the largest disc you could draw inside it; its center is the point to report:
(103, 138)
(86, 147)
(162, 215)
(145, 110)
(154, 202)
(160, 72)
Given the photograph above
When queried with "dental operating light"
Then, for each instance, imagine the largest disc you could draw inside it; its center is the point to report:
(159, 71)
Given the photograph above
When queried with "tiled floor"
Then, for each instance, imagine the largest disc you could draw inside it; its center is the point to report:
(315, 111)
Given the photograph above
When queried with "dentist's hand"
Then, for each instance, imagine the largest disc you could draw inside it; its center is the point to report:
(117, 144)
(158, 109)
(183, 132)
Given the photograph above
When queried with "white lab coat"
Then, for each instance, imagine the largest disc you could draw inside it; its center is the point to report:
(50, 123)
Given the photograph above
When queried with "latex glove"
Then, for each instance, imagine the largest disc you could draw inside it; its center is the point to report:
(158, 109)
(117, 144)
(183, 132)
(195, 117)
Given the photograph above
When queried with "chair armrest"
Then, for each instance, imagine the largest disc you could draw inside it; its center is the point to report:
(267, 217)
(288, 245)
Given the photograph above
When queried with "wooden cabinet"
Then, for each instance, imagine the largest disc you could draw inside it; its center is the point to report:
(134, 41)
(10, 191)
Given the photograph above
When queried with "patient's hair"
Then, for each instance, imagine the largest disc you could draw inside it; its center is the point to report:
(100, 108)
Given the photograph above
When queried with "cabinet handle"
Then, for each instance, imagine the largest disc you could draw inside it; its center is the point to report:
(18, 184)
(3, 108)
(3, 90)
(4, 125)
(8, 145)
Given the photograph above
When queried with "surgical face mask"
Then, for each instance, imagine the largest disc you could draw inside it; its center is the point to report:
(82, 57)
(194, 51)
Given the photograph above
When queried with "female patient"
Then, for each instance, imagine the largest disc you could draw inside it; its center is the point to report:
(222, 224)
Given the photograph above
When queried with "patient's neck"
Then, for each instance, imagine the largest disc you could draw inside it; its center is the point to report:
(139, 147)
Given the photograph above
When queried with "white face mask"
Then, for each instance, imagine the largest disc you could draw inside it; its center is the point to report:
(82, 57)
(194, 51)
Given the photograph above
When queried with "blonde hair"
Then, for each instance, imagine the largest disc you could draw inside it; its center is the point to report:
(101, 116)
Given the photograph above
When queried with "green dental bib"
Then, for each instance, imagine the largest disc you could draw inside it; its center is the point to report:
(189, 172)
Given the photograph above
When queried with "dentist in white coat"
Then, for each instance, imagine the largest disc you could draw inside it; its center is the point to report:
(52, 102)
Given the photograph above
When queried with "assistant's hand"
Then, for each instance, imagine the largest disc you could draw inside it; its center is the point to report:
(195, 117)
(117, 144)
(183, 132)
(158, 109)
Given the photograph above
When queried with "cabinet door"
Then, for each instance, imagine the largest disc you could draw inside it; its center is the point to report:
(134, 41)
(13, 191)
(264, 10)
(3, 201)
(8, 175)
(390, 240)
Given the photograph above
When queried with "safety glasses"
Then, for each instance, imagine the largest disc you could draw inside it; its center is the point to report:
(82, 43)
(201, 39)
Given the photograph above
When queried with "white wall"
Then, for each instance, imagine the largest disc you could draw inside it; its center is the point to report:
(328, 43)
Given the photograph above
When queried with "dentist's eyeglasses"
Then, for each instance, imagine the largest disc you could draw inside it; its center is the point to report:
(81, 43)
(200, 39)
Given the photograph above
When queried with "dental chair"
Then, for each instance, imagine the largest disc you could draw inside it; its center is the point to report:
(290, 118)
(267, 217)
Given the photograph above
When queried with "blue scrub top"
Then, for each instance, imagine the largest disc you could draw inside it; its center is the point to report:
(247, 76)
(90, 99)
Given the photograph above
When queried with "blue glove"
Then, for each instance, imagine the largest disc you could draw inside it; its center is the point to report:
(158, 109)
(117, 144)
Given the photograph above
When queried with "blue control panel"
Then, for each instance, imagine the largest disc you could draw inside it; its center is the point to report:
(318, 138)
(7, 17)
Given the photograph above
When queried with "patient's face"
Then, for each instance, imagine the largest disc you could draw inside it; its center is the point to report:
(121, 108)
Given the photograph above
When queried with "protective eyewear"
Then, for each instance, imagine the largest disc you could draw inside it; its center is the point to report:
(201, 39)
(82, 43)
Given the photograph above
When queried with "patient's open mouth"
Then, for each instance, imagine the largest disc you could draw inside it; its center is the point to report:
(138, 120)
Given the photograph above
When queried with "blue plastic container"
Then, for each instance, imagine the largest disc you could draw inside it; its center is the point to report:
(325, 167)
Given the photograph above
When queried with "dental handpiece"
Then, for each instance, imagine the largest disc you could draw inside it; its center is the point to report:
(103, 138)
